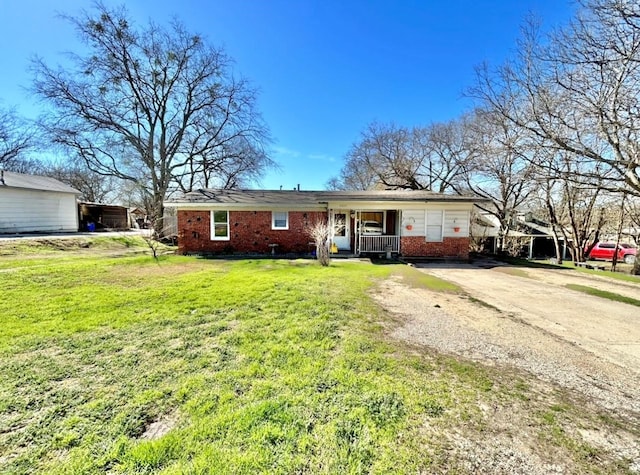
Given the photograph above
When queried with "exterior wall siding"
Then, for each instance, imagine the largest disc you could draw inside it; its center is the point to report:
(456, 220)
(417, 246)
(250, 232)
(24, 210)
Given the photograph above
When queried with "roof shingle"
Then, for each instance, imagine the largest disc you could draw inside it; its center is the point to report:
(278, 197)
(35, 182)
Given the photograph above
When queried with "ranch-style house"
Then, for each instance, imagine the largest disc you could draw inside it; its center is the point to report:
(406, 223)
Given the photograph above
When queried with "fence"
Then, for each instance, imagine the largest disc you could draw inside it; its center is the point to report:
(376, 243)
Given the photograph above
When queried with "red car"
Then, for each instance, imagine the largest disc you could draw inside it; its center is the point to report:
(605, 250)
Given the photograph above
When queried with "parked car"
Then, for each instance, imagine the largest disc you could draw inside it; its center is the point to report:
(605, 250)
(371, 227)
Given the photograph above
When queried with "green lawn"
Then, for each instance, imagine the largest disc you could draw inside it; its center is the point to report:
(622, 274)
(604, 294)
(186, 365)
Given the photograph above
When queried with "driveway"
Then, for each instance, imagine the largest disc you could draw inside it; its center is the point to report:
(528, 319)
(609, 329)
(527, 323)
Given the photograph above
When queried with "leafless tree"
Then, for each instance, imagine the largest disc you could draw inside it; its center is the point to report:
(632, 212)
(500, 169)
(16, 138)
(573, 199)
(320, 232)
(26, 165)
(93, 186)
(578, 89)
(153, 105)
(391, 157)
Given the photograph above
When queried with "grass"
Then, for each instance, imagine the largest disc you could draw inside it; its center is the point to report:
(606, 273)
(516, 271)
(626, 277)
(417, 279)
(263, 366)
(604, 294)
(185, 365)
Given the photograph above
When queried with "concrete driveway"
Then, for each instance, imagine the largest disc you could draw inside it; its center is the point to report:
(526, 318)
(608, 329)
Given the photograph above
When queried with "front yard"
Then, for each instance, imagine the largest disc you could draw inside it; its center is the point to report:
(184, 365)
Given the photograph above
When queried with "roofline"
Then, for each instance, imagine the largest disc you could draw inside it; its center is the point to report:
(186, 203)
(323, 198)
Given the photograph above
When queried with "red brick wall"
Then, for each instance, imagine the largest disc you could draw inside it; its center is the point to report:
(416, 246)
(250, 232)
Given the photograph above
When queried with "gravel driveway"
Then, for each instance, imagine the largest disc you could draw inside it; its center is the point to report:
(528, 320)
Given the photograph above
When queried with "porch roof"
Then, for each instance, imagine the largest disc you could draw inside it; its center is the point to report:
(311, 198)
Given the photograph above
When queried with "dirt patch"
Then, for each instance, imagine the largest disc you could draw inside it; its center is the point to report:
(160, 427)
(558, 340)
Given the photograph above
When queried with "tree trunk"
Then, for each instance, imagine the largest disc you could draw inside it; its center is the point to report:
(614, 263)
(553, 219)
(556, 245)
(322, 253)
(157, 218)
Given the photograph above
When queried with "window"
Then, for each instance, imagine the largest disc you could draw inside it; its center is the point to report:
(434, 225)
(340, 224)
(219, 225)
(280, 220)
(372, 222)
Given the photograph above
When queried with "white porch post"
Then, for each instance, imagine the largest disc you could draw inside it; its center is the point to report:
(399, 229)
(331, 223)
(356, 223)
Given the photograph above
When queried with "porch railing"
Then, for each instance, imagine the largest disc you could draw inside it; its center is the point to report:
(377, 243)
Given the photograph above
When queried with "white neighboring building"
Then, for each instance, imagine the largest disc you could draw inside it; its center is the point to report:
(32, 203)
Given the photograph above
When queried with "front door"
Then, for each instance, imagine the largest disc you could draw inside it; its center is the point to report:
(342, 230)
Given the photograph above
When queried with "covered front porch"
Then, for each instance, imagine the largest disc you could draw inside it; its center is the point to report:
(360, 231)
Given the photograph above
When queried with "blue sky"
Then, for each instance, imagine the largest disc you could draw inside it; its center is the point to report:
(325, 68)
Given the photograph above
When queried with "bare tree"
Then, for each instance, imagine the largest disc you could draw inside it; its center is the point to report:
(500, 169)
(632, 212)
(16, 137)
(93, 186)
(320, 232)
(573, 200)
(578, 89)
(156, 106)
(392, 157)
(26, 165)
(452, 150)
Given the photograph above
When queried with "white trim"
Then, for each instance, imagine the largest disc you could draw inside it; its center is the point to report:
(212, 231)
(343, 242)
(396, 205)
(273, 221)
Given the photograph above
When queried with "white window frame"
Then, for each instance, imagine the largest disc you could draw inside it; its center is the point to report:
(426, 225)
(273, 221)
(213, 226)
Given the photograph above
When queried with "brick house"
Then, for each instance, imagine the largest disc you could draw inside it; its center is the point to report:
(408, 223)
